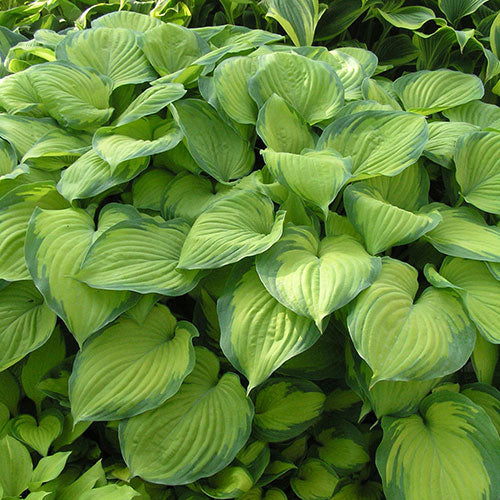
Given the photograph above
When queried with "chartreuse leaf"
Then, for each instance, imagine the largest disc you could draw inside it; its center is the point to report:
(195, 433)
(464, 233)
(231, 482)
(90, 175)
(311, 87)
(217, 148)
(171, 48)
(428, 92)
(16, 208)
(77, 98)
(478, 289)
(284, 408)
(148, 189)
(25, 322)
(315, 480)
(56, 149)
(187, 196)
(230, 84)
(387, 397)
(344, 447)
(236, 226)
(259, 334)
(48, 468)
(478, 113)
(130, 368)
(382, 224)
(410, 18)
(282, 128)
(116, 145)
(297, 18)
(15, 467)
(484, 359)
(315, 176)
(404, 339)
(477, 160)
(152, 100)
(314, 277)
(443, 137)
(23, 132)
(379, 142)
(38, 435)
(454, 10)
(56, 244)
(450, 444)
(113, 52)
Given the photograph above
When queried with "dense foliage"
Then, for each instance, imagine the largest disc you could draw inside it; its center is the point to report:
(255, 260)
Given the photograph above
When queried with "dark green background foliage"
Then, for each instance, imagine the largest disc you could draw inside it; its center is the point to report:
(250, 250)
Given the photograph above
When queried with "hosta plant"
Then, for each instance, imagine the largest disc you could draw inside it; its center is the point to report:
(234, 265)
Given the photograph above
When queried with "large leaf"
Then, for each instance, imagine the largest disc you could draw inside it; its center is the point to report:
(25, 322)
(284, 408)
(217, 148)
(230, 85)
(152, 100)
(379, 142)
(427, 92)
(311, 87)
(282, 128)
(382, 224)
(90, 175)
(404, 339)
(130, 368)
(297, 17)
(194, 434)
(16, 208)
(477, 160)
(147, 261)
(314, 277)
(315, 176)
(171, 48)
(258, 334)
(478, 289)
(56, 244)
(111, 51)
(463, 233)
(450, 444)
(443, 137)
(236, 226)
(138, 139)
(77, 98)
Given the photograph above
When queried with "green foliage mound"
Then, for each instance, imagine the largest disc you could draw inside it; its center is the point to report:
(235, 264)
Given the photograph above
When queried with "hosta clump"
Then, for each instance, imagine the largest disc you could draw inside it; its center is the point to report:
(231, 267)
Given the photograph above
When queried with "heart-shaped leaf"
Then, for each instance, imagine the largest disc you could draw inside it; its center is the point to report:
(405, 340)
(447, 422)
(258, 334)
(194, 434)
(314, 277)
(379, 142)
(38, 435)
(154, 357)
(236, 226)
(56, 244)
